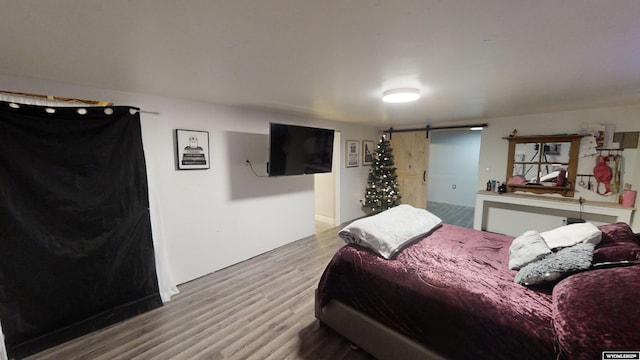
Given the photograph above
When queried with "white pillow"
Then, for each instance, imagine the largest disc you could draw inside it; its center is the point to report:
(389, 231)
(527, 248)
(570, 235)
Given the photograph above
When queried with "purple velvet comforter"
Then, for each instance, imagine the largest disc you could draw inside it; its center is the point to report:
(451, 291)
(598, 311)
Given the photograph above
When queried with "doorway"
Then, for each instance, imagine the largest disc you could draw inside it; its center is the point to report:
(453, 175)
(327, 191)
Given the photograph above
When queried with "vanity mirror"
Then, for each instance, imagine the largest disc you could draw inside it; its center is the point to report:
(543, 163)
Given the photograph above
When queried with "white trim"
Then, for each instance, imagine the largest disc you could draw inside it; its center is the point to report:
(325, 219)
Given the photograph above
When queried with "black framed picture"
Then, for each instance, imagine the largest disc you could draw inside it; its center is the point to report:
(192, 149)
(367, 152)
(552, 149)
(352, 153)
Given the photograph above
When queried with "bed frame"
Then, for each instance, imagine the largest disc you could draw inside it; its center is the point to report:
(371, 335)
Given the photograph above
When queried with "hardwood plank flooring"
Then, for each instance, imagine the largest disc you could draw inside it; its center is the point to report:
(262, 308)
(452, 214)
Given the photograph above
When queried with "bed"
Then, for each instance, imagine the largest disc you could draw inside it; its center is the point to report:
(449, 293)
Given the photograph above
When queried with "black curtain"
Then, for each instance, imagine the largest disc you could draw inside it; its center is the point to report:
(76, 252)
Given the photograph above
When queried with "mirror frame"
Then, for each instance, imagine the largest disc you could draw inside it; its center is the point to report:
(572, 166)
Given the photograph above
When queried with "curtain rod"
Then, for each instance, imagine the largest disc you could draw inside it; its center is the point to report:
(72, 100)
(148, 112)
(57, 98)
(429, 128)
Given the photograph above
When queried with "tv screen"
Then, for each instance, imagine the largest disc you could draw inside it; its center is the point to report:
(299, 150)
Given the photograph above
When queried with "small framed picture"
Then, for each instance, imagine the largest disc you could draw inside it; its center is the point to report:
(367, 152)
(353, 153)
(552, 149)
(192, 149)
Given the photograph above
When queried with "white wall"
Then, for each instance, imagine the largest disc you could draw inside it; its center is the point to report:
(217, 217)
(453, 162)
(352, 191)
(493, 152)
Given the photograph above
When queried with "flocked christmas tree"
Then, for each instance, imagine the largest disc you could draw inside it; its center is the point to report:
(382, 188)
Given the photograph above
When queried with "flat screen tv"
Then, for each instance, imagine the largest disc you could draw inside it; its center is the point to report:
(299, 150)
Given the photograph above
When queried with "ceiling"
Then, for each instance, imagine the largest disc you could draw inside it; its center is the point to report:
(332, 59)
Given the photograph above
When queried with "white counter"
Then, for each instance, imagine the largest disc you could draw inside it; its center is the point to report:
(513, 214)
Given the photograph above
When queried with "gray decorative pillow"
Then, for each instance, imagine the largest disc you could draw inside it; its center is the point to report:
(556, 265)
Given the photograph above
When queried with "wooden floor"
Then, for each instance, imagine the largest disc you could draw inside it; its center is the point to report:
(262, 308)
(452, 214)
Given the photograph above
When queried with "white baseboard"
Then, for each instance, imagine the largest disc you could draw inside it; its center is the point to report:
(325, 219)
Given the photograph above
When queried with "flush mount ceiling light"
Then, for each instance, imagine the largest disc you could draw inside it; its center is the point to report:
(400, 95)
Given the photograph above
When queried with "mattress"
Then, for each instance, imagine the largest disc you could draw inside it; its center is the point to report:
(450, 291)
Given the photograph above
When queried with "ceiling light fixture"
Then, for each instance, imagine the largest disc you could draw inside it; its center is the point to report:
(400, 95)
(475, 128)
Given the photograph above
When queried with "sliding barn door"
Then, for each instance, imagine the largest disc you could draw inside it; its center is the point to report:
(411, 157)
